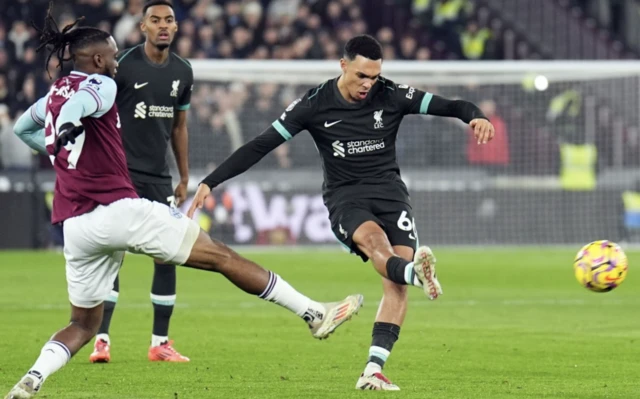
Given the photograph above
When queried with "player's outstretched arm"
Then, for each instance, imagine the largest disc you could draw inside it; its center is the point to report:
(467, 112)
(30, 126)
(237, 163)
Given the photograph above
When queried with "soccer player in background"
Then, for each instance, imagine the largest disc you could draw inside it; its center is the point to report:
(354, 121)
(102, 215)
(154, 90)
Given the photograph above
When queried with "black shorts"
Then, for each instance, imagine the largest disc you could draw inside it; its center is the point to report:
(395, 218)
(158, 192)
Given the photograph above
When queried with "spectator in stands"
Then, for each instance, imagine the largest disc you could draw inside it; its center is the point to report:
(474, 41)
(14, 155)
(255, 29)
(7, 45)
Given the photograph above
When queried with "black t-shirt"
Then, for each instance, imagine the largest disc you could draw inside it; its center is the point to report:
(149, 95)
(356, 141)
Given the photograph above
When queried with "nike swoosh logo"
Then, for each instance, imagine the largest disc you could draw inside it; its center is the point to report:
(327, 124)
(611, 279)
(139, 86)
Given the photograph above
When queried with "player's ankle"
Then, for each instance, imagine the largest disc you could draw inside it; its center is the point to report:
(103, 337)
(372, 368)
(400, 271)
(157, 340)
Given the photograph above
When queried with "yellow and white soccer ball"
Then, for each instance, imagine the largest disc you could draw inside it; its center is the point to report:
(601, 266)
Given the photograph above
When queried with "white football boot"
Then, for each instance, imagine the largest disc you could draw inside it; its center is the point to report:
(335, 314)
(424, 264)
(375, 382)
(27, 388)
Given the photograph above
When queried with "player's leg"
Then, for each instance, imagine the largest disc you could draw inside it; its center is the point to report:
(365, 219)
(91, 269)
(386, 330)
(373, 243)
(176, 239)
(163, 290)
(59, 349)
(357, 227)
(102, 345)
(322, 318)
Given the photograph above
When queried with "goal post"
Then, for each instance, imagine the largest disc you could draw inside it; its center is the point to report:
(567, 148)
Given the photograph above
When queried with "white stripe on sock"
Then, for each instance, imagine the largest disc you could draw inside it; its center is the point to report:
(379, 352)
(286, 296)
(113, 296)
(166, 300)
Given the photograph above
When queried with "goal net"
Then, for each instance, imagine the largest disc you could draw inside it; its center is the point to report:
(563, 168)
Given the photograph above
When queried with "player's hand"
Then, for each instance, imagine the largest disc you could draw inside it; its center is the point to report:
(482, 130)
(180, 193)
(198, 201)
(67, 134)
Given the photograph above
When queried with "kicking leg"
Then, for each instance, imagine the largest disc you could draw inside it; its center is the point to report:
(322, 318)
(59, 350)
(373, 242)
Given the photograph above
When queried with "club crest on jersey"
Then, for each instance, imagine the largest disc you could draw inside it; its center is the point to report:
(377, 116)
(174, 88)
(95, 81)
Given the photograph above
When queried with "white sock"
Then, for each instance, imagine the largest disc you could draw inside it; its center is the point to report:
(157, 340)
(410, 276)
(372, 368)
(53, 357)
(280, 292)
(104, 337)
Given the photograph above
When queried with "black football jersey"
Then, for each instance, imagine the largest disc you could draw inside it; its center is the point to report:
(356, 141)
(149, 95)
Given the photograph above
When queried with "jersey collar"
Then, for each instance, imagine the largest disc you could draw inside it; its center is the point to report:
(344, 102)
(78, 73)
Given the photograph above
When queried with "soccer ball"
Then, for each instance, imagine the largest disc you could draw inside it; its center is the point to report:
(600, 266)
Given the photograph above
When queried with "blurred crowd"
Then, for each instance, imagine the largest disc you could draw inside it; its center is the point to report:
(268, 29)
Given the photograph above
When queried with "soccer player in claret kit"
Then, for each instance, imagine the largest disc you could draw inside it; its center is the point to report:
(103, 217)
(354, 121)
(154, 90)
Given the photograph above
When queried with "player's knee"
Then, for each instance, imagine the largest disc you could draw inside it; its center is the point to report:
(87, 321)
(376, 242)
(395, 290)
(210, 254)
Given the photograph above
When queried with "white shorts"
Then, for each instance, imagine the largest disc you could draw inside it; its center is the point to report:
(95, 244)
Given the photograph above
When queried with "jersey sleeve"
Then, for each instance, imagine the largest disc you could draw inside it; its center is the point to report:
(38, 111)
(184, 103)
(412, 100)
(103, 89)
(30, 126)
(94, 98)
(294, 119)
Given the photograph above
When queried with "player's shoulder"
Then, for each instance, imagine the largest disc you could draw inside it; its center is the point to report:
(181, 64)
(388, 87)
(99, 82)
(317, 94)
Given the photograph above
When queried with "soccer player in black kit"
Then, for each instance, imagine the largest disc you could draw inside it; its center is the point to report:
(354, 121)
(154, 90)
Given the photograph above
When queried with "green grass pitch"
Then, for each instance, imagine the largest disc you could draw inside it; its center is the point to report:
(512, 323)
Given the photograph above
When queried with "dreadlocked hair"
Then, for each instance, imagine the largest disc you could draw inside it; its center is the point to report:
(56, 40)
